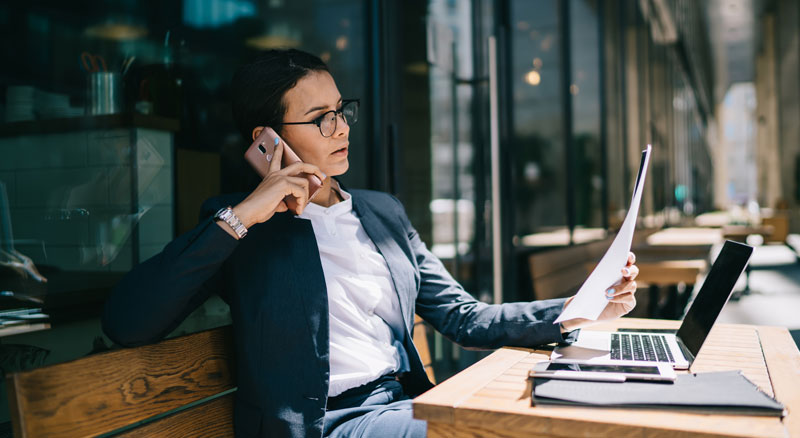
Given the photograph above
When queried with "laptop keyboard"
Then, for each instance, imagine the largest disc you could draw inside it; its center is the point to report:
(651, 348)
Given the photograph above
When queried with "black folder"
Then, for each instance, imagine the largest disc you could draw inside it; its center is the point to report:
(717, 392)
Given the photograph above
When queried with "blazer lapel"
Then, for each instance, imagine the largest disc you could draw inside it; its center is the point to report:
(399, 266)
(312, 289)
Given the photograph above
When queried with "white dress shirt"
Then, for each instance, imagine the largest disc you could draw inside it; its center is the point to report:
(361, 298)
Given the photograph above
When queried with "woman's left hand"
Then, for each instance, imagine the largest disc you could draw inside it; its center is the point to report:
(621, 298)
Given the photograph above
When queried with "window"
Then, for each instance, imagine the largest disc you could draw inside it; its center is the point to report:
(117, 120)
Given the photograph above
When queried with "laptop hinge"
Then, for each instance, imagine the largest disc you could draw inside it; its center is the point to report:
(686, 353)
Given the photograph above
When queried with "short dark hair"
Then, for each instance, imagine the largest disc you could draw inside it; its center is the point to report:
(257, 88)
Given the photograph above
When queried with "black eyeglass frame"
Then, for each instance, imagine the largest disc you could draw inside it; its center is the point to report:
(340, 112)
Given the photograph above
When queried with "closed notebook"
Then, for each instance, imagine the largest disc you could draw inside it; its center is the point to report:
(719, 392)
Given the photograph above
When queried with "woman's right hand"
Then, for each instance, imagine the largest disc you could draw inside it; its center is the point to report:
(267, 198)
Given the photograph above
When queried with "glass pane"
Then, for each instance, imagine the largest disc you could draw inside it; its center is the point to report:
(117, 121)
(617, 129)
(453, 184)
(585, 92)
(538, 148)
(99, 170)
(458, 186)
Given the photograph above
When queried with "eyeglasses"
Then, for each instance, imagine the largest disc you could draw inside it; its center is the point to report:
(327, 122)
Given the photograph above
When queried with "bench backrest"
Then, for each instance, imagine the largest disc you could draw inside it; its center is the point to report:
(420, 337)
(105, 392)
(176, 388)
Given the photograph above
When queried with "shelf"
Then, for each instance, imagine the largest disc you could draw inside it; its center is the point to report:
(88, 123)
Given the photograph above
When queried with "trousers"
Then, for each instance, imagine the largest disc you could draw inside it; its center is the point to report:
(377, 409)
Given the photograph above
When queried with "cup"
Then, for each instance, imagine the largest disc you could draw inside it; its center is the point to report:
(105, 93)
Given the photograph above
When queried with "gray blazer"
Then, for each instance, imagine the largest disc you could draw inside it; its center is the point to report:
(273, 281)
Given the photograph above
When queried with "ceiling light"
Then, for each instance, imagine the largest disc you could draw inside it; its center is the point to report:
(533, 78)
(264, 42)
(116, 31)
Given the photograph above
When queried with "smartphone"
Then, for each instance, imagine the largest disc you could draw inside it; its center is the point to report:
(260, 154)
(658, 372)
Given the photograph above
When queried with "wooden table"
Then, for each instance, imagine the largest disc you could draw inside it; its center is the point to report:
(492, 397)
(685, 237)
(670, 257)
(739, 233)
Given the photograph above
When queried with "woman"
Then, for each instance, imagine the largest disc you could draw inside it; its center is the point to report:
(323, 300)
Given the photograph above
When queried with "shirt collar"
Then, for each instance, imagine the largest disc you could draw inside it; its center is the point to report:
(340, 208)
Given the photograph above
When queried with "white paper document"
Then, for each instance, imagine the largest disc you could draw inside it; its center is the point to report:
(590, 300)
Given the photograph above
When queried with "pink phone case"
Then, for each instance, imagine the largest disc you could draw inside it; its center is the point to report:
(260, 154)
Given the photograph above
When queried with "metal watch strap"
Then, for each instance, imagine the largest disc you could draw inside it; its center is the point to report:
(227, 215)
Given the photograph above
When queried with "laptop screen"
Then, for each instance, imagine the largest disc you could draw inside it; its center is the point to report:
(713, 295)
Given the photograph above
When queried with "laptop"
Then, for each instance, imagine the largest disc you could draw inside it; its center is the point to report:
(679, 349)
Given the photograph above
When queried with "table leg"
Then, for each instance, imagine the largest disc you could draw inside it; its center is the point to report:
(652, 305)
(674, 304)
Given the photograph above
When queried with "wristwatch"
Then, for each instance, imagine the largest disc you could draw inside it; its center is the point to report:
(226, 214)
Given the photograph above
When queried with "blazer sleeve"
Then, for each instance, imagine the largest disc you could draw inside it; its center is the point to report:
(158, 294)
(444, 303)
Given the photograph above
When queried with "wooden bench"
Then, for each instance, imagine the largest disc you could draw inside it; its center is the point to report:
(740, 233)
(665, 272)
(179, 387)
(559, 272)
(670, 272)
(663, 279)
